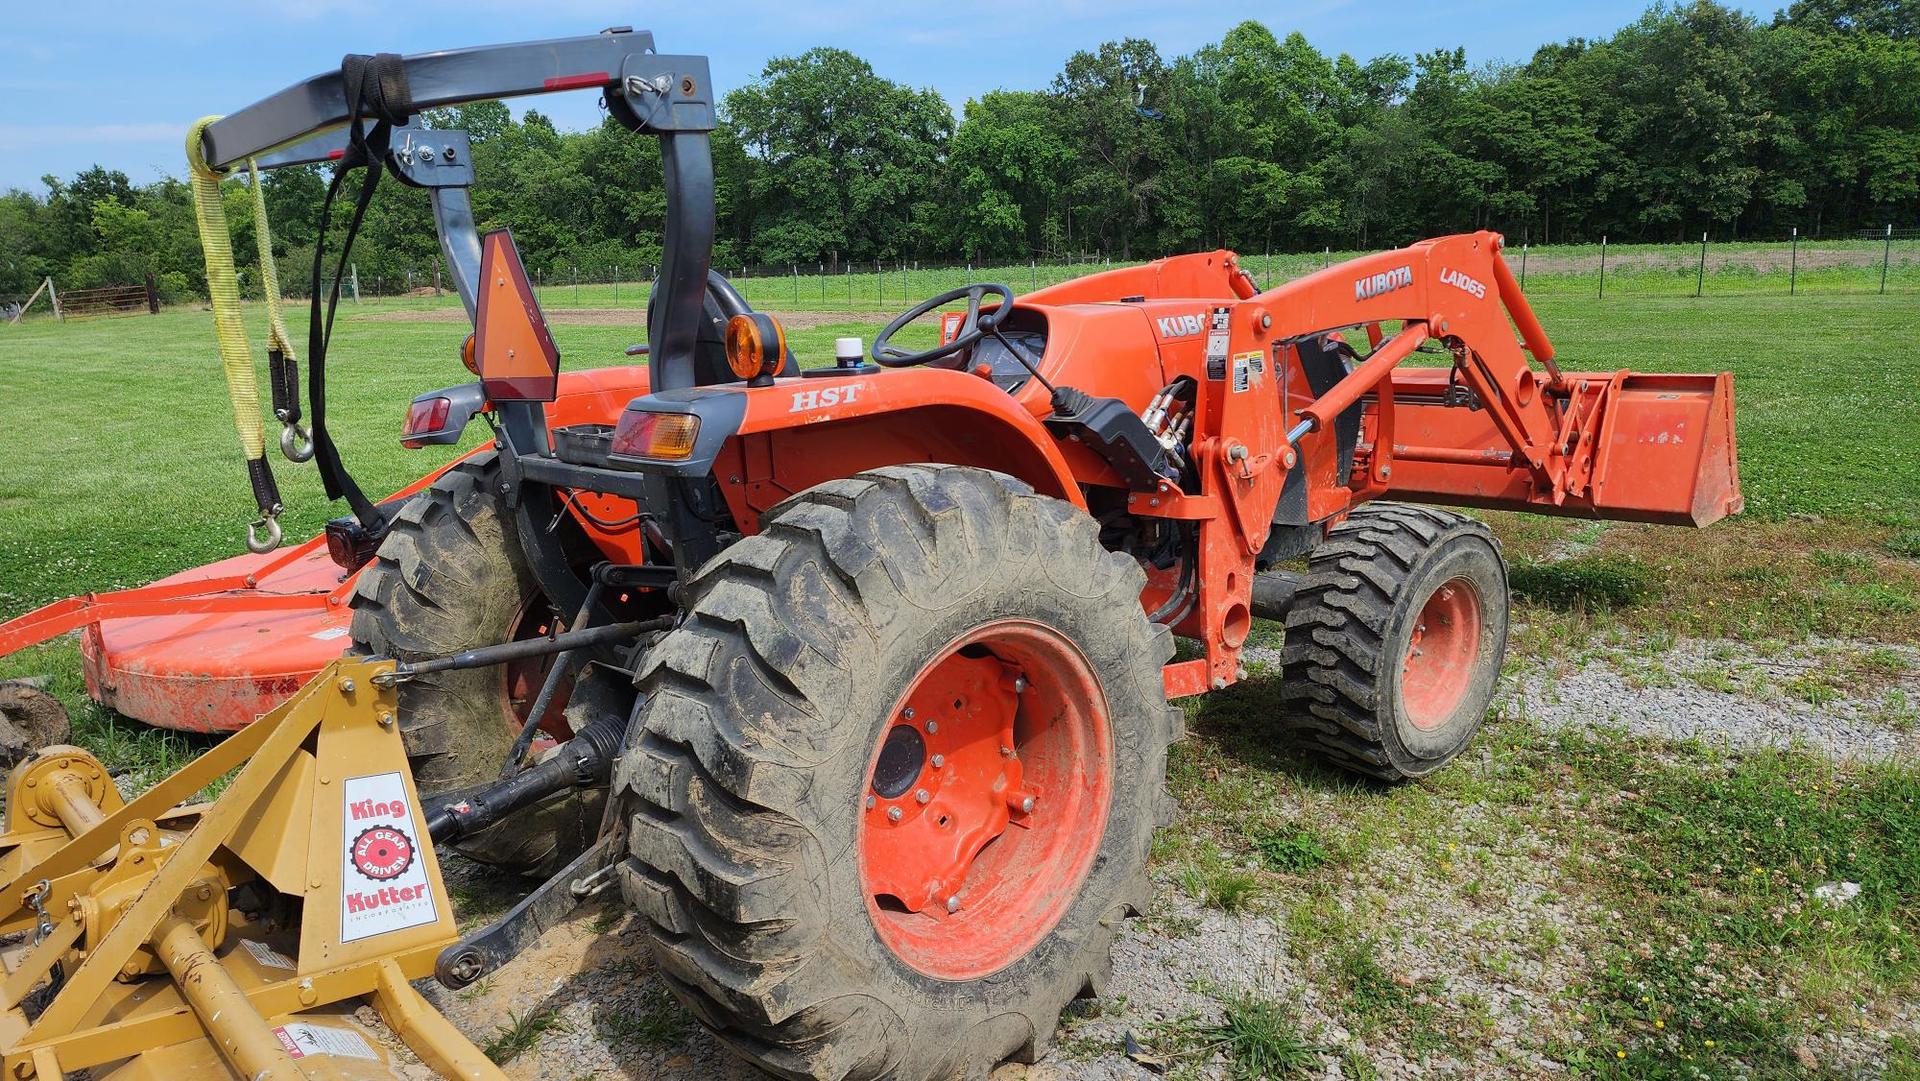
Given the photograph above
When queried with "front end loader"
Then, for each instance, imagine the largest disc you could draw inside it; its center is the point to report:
(858, 680)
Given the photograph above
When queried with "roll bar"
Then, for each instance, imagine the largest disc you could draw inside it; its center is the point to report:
(667, 96)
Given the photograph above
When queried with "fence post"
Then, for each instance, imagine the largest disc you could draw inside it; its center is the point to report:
(1793, 262)
(153, 295)
(1326, 257)
(1523, 266)
(356, 283)
(616, 285)
(1603, 265)
(1886, 256)
(849, 273)
(1700, 279)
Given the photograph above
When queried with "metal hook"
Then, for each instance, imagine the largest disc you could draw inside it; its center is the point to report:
(254, 543)
(296, 443)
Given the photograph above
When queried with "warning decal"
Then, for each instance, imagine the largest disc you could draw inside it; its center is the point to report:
(383, 882)
(266, 956)
(302, 1041)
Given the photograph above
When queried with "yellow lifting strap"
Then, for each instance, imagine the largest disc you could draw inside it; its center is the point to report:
(236, 356)
(269, 272)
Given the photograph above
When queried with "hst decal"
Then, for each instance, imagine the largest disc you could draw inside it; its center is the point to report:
(825, 397)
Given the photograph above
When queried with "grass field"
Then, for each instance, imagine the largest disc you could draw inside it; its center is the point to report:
(1693, 950)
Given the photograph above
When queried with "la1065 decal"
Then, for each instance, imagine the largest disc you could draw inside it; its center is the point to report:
(1459, 280)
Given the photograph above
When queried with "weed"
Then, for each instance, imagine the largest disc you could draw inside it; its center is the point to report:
(1292, 849)
(1228, 889)
(1895, 711)
(1815, 688)
(1905, 543)
(1259, 1039)
(522, 1033)
(1586, 583)
(657, 1020)
(605, 920)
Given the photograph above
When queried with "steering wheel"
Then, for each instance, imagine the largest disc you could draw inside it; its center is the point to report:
(977, 325)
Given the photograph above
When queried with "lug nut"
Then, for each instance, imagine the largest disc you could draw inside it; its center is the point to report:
(922, 796)
(870, 801)
(907, 713)
(932, 727)
(939, 760)
(1026, 805)
(953, 903)
(893, 814)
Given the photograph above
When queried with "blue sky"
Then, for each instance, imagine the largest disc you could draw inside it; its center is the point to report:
(117, 83)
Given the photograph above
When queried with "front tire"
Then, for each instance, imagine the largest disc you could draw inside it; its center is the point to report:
(1395, 640)
(870, 606)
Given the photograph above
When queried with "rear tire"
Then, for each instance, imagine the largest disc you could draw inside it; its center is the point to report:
(1395, 640)
(450, 576)
(747, 770)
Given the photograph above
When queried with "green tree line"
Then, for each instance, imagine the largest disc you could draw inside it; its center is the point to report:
(1692, 118)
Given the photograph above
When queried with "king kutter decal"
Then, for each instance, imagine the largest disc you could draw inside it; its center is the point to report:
(382, 853)
(383, 879)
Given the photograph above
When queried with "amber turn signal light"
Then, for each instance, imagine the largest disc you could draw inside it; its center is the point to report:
(665, 437)
(756, 347)
(467, 357)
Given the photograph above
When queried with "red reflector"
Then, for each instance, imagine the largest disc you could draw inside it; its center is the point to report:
(336, 155)
(577, 82)
(428, 416)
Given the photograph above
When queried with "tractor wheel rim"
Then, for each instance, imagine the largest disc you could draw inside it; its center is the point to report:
(1442, 654)
(985, 800)
(521, 679)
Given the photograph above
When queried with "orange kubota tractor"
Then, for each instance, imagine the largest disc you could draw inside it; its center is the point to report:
(857, 679)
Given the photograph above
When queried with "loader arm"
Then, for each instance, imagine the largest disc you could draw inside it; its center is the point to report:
(1494, 429)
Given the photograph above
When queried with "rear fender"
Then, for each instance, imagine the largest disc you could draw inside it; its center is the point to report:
(764, 444)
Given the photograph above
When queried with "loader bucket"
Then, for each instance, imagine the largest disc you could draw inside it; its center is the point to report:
(1666, 451)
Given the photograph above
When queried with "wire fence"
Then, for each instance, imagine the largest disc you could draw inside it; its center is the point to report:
(1884, 262)
(1880, 262)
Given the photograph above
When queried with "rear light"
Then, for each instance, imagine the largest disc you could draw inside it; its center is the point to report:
(667, 437)
(351, 545)
(427, 416)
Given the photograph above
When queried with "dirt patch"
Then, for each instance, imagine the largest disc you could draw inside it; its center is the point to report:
(613, 317)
